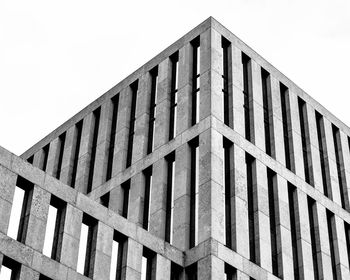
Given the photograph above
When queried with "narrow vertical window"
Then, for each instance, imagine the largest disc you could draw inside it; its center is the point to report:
(169, 197)
(10, 269)
(321, 149)
(173, 94)
(125, 189)
(347, 238)
(227, 146)
(246, 94)
(265, 80)
(314, 238)
(54, 228)
(96, 121)
(87, 246)
(285, 125)
(152, 109)
(147, 198)
(249, 169)
(332, 240)
(115, 104)
(226, 45)
(134, 88)
(304, 141)
(78, 129)
(294, 221)
(148, 264)
(230, 272)
(194, 144)
(195, 79)
(192, 272)
(22, 200)
(61, 141)
(118, 256)
(175, 271)
(46, 155)
(271, 185)
(340, 166)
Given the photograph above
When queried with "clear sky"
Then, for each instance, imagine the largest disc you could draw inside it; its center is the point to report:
(58, 56)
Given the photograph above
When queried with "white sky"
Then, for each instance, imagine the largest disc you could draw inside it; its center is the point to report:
(58, 56)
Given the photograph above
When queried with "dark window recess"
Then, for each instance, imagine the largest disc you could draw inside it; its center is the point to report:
(340, 167)
(192, 272)
(125, 189)
(13, 266)
(286, 129)
(314, 238)
(175, 271)
(121, 257)
(92, 225)
(152, 109)
(194, 143)
(347, 237)
(61, 141)
(174, 59)
(96, 115)
(227, 145)
(271, 177)
(246, 93)
(28, 188)
(169, 199)
(115, 104)
(331, 227)
(134, 88)
(249, 169)
(323, 156)
(78, 129)
(60, 205)
(230, 272)
(304, 142)
(105, 200)
(294, 222)
(30, 159)
(146, 204)
(43, 277)
(46, 156)
(265, 79)
(226, 45)
(149, 261)
(195, 79)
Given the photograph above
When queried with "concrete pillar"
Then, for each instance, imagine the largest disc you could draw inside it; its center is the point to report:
(261, 213)
(103, 252)
(68, 155)
(132, 269)
(39, 159)
(163, 268)
(256, 107)
(136, 199)
(39, 207)
(184, 95)
(211, 100)
(116, 200)
(211, 208)
(52, 158)
(7, 190)
(27, 273)
(122, 131)
(142, 117)
(71, 237)
(159, 195)
(237, 91)
(240, 204)
(278, 149)
(82, 175)
(331, 162)
(303, 236)
(181, 191)
(161, 125)
(1, 258)
(346, 164)
(296, 135)
(211, 267)
(285, 251)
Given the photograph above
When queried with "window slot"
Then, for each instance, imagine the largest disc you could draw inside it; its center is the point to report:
(194, 145)
(78, 132)
(125, 189)
(169, 197)
(147, 198)
(118, 258)
(195, 79)
(148, 264)
(61, 140)
(246, 94)
(152, 109)
(174, 59)
(10, 269)
(134, 89)
(265, 80)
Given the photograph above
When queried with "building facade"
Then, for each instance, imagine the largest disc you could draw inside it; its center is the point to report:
(205, 163)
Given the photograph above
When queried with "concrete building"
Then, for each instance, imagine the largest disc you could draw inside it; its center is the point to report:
(205, 163)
